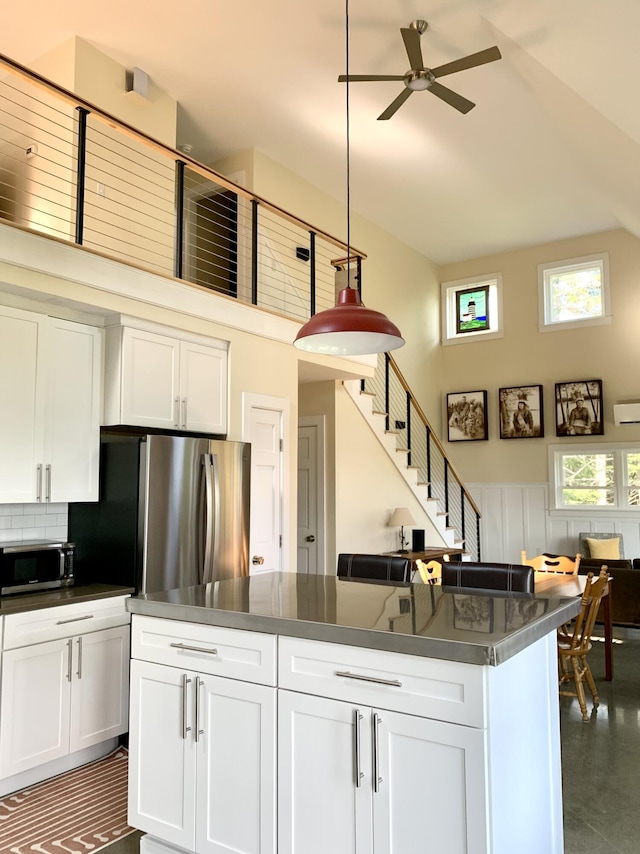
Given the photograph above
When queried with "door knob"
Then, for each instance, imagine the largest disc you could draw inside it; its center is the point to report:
(257, 560)
(311, 538)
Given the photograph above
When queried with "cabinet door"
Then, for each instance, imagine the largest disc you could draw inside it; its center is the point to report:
(162, 753)
(100, 688)
(203, 388)
(236, 767)
(434, 768)
(320, 808)
(35, 705)
(22, 422)
(73, 404)
(150, 375)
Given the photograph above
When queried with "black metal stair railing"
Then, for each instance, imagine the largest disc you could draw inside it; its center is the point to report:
(72, 171)
(394, 400)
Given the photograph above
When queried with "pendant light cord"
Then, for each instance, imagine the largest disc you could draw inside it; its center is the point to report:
(348, 150)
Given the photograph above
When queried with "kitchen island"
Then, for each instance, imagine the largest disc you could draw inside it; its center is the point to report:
(303, 715)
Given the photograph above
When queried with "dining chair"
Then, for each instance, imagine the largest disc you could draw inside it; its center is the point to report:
(430, 571)
(574, 644)
(374, 567)
(560, 564)
(510, 577)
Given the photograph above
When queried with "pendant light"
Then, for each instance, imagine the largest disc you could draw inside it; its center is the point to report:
(349, 328)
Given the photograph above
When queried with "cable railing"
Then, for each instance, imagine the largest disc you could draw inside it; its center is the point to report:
(404, 417)
(71, 171)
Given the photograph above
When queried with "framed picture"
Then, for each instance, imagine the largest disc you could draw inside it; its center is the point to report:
(521, 415)
(472, 309)
(472, 613)
(579, 408)
(467, 416)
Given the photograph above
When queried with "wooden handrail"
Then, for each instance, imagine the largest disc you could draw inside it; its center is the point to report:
(166, 150)
(426, 423)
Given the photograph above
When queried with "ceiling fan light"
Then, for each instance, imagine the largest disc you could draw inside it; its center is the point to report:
(349, 329)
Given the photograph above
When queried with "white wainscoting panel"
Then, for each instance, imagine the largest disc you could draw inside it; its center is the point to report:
(516, 516)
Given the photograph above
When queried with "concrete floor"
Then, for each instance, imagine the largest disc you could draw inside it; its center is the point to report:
(601, 758)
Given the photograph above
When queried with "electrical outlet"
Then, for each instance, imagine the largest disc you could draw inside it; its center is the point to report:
(101, 190)
(31, 151)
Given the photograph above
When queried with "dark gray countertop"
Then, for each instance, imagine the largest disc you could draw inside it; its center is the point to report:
(62, 596)
(417, 619)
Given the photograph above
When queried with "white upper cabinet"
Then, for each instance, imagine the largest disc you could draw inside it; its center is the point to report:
(51, 388)
(165, 381)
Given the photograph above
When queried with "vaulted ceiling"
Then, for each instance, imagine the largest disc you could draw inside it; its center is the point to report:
(550, 151)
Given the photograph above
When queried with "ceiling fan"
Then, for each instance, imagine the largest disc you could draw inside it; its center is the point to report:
(419, 78)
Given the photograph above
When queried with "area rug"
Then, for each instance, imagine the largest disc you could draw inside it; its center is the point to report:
(79, 812)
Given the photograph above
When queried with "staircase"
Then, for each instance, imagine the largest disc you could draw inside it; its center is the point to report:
(393, 414)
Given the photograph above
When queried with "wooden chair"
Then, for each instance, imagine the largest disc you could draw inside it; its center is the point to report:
(430, 571)
(574, 643)
(560, 564)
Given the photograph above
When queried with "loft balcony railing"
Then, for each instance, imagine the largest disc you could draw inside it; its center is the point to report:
(73, 172)
(404, 417)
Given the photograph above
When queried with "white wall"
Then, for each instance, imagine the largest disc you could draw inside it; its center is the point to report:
(515, 516)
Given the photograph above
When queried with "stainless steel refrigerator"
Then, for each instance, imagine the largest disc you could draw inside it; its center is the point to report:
(173, 512)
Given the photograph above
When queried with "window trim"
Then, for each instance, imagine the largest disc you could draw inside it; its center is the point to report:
(448, 291)
(545, 325)
(618, 449)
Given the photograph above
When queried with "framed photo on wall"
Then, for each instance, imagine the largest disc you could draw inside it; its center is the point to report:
(472, 309)
(467, 416)
(521, 415)
(579, 408)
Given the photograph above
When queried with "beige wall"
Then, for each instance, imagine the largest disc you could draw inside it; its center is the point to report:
(527, 356)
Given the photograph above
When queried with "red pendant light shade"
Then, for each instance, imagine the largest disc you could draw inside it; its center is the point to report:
(349, 329)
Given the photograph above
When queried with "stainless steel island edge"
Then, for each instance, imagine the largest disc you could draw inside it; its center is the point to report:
(424, 620)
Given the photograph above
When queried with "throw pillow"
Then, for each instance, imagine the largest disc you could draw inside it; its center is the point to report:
(604, 549)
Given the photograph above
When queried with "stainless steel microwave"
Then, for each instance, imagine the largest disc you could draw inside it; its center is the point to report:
(27, 566)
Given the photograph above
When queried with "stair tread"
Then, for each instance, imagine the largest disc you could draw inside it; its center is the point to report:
(368, 393)
(391, 432)
(378, 412)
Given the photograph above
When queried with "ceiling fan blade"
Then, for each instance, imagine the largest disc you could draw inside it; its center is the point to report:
(360, 78)
(395, 105)
(471, 61)
(412, 44)
(452, 98)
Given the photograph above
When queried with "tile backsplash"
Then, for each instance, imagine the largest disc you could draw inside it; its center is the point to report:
(33, 522)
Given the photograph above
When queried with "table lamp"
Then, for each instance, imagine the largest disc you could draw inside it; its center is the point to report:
(399, 518)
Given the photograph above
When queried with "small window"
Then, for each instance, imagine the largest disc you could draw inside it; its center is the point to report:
(604, 477)
(574, 292)
(471, 309)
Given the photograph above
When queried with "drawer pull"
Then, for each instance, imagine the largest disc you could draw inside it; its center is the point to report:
(194, 648)
(74, 620)
(395, 683)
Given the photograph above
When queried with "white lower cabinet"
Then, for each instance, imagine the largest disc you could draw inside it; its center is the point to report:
(202, 760)
(62, 696)
(375, 772)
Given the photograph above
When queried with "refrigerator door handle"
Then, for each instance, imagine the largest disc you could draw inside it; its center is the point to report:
(208, 517)
(213, 566)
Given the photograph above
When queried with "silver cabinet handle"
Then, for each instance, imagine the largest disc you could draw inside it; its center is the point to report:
(184, 412)
(194, 648)
(74, 619)
(357, 717)
(176, 411)
(47, 472)
(395, 683)
(79, 671)
(69, 657)
(185, 681)
(199, 732)
(39, 482)
(377, 779)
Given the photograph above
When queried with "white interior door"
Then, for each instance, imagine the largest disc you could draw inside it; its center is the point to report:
(264, 429)
(311, 533)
